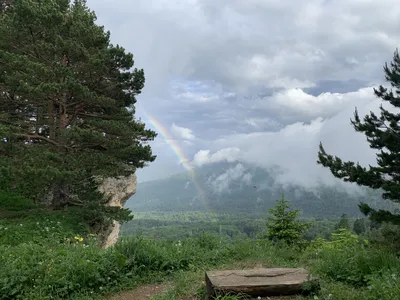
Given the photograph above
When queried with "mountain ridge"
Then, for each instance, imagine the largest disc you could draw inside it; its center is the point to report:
(240, 187)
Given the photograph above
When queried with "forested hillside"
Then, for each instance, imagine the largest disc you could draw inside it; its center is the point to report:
(248, 189)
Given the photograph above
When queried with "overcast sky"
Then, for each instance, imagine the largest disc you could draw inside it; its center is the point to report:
(262, 81)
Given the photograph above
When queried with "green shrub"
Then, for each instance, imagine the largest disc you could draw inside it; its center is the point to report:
(384, 285)
(51, 256)
(63, 269)
(145, 255)
(208, 241)
(13, 202)
(349, 259)
(58, 272)
(243, 248)
(42, 227)
(387, 235)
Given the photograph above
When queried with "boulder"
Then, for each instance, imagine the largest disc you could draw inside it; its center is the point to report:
(258, 282)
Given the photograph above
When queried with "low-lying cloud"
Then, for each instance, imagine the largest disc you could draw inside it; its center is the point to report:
(221, 183)
(294, 148)
(203, 157)
(259, 81)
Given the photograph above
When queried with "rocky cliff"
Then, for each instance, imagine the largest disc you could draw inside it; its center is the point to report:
(120, 189)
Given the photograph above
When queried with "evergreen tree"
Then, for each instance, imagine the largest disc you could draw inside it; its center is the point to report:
(284, 224)
(383, 134)
(343, 223)
(67, 99)
(374, 225)
(359, 226)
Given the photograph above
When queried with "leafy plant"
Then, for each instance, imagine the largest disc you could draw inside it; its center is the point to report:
(384, 285)
(348, 258)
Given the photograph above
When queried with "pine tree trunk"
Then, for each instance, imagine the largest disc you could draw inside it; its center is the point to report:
(62, 108)
(60, 195)
(51, 121)
(63, 117)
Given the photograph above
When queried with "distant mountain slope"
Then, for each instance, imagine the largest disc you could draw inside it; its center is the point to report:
(238, 187)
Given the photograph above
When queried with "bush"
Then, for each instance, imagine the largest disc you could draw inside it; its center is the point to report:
(12, 202)
(144, 256)
(387, 235)
(58, 272)
(65, 268)
(49, 255)
(163, 256)
(42, 228)
(384, 285)
(349, 259)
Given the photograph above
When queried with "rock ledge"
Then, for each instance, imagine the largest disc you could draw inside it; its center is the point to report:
(120, 189)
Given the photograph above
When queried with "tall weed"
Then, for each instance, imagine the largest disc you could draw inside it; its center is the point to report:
(57, 272)
(351, 260)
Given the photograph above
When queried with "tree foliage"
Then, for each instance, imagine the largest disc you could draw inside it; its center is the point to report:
(343, 223)
(67, 99)
(284, 224)
(359, 226)
(383, 135)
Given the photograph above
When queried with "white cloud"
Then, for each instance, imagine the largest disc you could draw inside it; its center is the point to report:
(245, 48)
(244, 43)
(222, 182)
(258, 123)
(198, 97)
(247, 178)
(182, 132)
(203, 157)
(188, 143)
(296, 105)
(294, 148)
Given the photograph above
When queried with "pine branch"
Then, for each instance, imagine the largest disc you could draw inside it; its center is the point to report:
(42, 138)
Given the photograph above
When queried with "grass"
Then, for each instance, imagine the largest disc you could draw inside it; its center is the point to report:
(191, 285)
(74, 269)
(51, 255)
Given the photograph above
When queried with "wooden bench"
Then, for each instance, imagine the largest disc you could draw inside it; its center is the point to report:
(257, 282)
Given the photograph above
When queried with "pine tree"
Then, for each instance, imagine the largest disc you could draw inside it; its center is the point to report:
(67, 99)
(343, 223)
(284, 224)
(383, 134)
(359, 226)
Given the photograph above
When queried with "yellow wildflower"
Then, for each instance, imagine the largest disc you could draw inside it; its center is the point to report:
(78, 238)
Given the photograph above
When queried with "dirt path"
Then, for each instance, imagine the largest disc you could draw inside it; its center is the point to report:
(143, 292)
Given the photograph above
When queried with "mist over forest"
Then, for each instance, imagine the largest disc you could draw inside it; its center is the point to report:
(244, 188)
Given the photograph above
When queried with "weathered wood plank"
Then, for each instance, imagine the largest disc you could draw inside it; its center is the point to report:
(257, 282)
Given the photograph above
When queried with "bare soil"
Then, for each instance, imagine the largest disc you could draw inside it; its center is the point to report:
(143, 292)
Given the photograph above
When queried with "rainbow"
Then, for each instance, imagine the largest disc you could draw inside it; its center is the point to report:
(180, 154)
